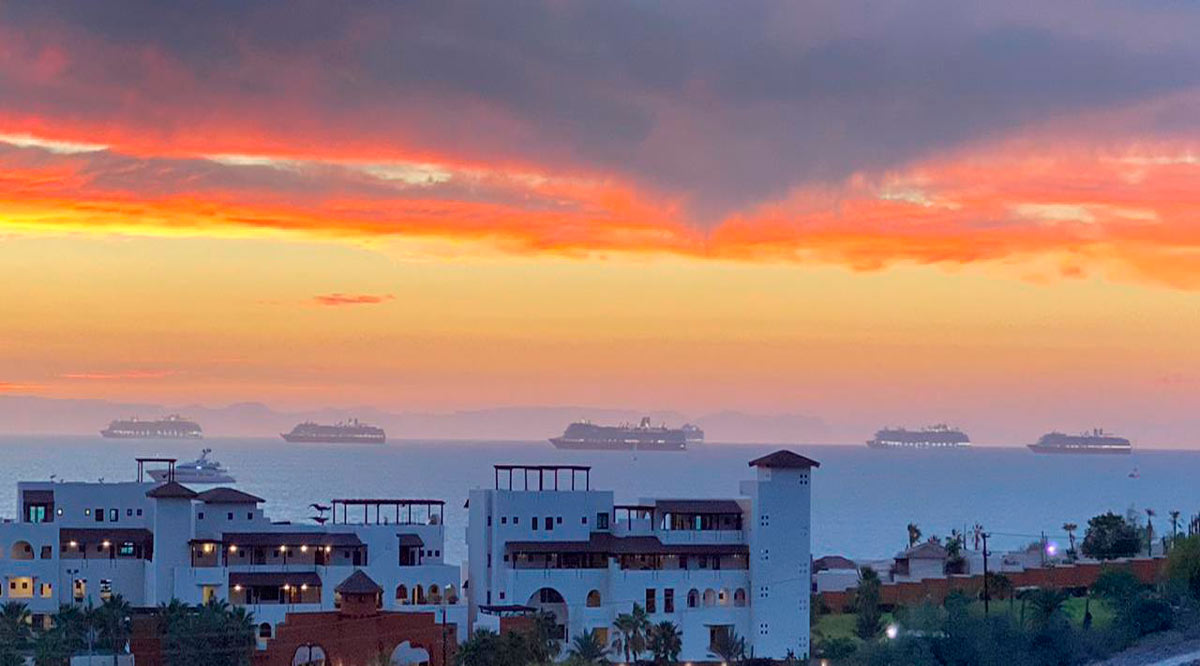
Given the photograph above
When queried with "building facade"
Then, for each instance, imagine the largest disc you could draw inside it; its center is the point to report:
(152, 542)
(542, 538)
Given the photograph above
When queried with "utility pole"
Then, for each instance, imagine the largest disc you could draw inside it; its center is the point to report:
(444, 636)
(986, 592)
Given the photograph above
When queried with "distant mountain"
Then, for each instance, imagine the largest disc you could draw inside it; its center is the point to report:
(35, 415)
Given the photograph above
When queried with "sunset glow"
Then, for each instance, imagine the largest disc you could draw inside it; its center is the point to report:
(372, 216)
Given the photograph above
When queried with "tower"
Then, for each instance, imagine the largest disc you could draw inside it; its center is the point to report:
(172, 538)
(780, 555)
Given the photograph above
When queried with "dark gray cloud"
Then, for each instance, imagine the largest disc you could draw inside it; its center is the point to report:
(721, 104)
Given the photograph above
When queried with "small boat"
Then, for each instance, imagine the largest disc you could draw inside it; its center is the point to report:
(1135, 474)
(200, 470)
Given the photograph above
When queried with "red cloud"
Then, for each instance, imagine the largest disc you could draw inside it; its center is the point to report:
(336, 299)
(127, 374)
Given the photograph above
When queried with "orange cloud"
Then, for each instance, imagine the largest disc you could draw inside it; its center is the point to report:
(18, 387)
(111, 376)
(338, 299)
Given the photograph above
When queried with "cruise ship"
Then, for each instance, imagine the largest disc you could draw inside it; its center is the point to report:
(1096, 441)
(200, 470)
(625, 437)
(171, 427)
(939, 436)
(345, 432)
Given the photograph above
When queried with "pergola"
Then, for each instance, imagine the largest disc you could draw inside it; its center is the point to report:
(543, 472)
(403, 509)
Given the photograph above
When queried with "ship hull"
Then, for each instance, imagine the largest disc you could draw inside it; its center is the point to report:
(1081, 450)
(311, 439)
(109, 434)
(182, 476)
(872, 444)
(592, 445)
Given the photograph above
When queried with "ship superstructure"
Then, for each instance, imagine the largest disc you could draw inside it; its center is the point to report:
(345, 432)
(170, 427)
(643, 437)
(939, 436)
(1096, 441)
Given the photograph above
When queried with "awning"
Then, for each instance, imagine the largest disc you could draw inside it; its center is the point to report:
(98, 534)
(608, 544)
(714, 506)
(277, 539)
(275, 579)
(411, 540)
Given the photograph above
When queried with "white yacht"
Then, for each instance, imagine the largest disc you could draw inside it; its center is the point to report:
(200, 470)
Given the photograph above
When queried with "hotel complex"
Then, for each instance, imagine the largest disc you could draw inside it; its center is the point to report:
(540, 539)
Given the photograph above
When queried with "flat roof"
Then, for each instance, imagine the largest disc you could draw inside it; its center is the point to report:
(389, 502)
(603, 543)
(544, 468)
(291, 539)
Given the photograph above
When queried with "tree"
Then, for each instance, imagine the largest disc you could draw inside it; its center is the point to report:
(866, 604)
(15, 626)
(914, 534)
(52, 648)
(1110, 536)
(1070, 528)
(728, 647)
(1183, 565)
(112, 619)
(214, 634)
(631, 632)
(587, 648)
(1150, 531)
(665, 642)
(1046, 605)
(1116, 587)
(1174, 514)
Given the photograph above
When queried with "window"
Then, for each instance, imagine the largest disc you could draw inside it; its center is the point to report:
(651, 600)
(200, 515)
(264, 630)
(99, 515)
(79, 588)
(229, 516)
(208, 593)
(549, 523)
(128, 513)
(602, 521)
(683, 561)
(114, 515)
(669, 600)
(516, 520)
(503, 520)
(139, 512)
(36, 513)
(489, 521)
(249, 515)
(47, 552)
(703, 562)
(47, 590)
(489, 560)
(739, 597)
(558, 520)
(693, 598)
(533, 523)
(126, 549)
(593, 599)
(584, 520)
(105, 589)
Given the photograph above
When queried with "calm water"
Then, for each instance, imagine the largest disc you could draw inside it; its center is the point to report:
(862, 499)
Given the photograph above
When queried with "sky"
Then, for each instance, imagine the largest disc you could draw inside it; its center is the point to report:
(873, 213)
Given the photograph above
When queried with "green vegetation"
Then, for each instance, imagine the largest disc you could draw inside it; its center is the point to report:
(521, 648)
(1110, 536)
(73, 630)
(214, 634)
(868, 621)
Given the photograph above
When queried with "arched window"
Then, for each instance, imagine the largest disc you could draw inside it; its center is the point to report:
(710, 598)
(451, 594)
(739, 597)
(309, 654)
(22, 550)
(418, 595)
(693, 599)
(593, 599)
(264, 630)
(723, 597)
(435, 593)
(402, 594)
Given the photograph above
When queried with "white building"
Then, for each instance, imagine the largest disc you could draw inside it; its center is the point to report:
(543, 538)
(151, 542)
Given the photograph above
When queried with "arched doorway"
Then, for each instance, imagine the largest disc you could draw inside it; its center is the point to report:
(406, 654)
(309, 654)
(22, 550)
(550, 600)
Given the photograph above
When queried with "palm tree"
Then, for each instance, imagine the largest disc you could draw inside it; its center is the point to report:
(1046, 604)
(1070, 528)
(728, 647)
(587, 648)
(52, 648)
(631, 632)
(1174, 525)
(1150, 531)
(914, 534)
(665, 642)
(113, 620)
(15, 623)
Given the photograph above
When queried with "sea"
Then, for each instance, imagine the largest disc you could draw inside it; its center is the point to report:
(863, 499)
